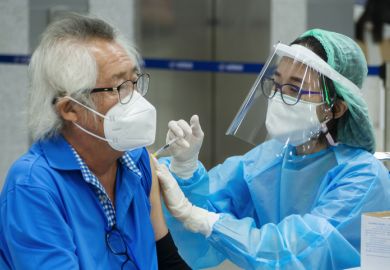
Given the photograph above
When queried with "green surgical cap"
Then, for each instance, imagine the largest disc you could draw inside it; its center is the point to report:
(345, 56)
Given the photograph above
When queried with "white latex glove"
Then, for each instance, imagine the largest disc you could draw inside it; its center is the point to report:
(185, 151)
(194, 218)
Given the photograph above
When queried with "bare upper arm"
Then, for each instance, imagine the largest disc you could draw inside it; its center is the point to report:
(157, 216)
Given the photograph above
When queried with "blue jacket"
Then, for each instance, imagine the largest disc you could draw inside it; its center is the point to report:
(283, 211)
(52, 219)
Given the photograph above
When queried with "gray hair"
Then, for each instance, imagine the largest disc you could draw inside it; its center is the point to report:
(63, 65)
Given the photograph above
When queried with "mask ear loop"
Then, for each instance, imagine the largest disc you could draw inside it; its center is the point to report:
(92, 110)
(328, 136)
(324, 127)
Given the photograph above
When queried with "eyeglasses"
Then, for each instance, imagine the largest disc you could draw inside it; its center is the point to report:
(290, 93)
(126, 89)
(117, 245)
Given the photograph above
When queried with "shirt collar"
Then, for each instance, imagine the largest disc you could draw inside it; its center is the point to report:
(60, 155)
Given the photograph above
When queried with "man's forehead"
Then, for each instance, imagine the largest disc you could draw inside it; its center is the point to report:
(102, 48)
(114, 63)
(125, 74)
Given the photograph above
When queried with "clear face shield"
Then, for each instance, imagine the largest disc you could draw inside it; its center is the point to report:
(290, 100)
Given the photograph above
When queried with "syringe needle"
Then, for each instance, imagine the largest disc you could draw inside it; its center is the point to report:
(155, 154)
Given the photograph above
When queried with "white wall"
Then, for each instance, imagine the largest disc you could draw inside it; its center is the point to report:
(14, 85)
(288, 20)
(119, 13)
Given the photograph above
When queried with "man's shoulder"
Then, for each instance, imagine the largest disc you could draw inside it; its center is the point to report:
(31, 169)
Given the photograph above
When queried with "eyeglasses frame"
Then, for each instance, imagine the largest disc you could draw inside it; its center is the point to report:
(117, 89)
(279, 87)
(123, 253)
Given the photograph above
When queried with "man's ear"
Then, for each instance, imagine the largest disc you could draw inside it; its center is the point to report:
(340, 108)
(67, 110)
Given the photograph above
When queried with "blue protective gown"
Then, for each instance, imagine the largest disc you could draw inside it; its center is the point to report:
(283, 211)
(51, 218)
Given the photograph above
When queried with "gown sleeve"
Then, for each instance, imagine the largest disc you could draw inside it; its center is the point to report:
(328, 237)
(193, 247)
(315, 240)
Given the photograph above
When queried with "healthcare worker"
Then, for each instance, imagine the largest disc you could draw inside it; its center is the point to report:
(294, 201)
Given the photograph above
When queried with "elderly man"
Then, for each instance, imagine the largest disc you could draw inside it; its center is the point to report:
(84, 195)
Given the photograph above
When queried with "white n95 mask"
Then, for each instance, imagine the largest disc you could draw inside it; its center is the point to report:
(293, 124)
(127, 126)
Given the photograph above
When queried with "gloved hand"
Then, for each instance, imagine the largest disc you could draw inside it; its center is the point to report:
(185, 151)
(194, 218)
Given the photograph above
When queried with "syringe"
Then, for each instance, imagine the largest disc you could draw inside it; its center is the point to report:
(155, 154)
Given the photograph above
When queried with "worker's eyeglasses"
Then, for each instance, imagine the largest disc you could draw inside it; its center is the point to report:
(126, 89)
(117, 245)
(290, 93)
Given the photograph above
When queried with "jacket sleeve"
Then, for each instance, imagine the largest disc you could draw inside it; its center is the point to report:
(35, 230)
(167, 255)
